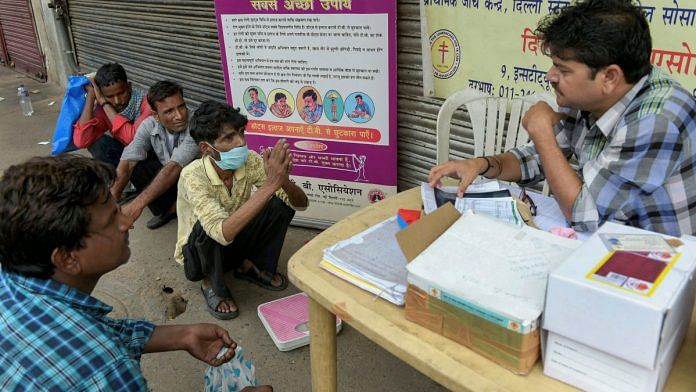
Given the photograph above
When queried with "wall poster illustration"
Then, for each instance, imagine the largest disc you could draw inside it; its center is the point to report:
(322, 74)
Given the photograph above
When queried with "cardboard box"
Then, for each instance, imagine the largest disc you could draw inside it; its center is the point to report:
(609, 332)
(512, 350)
(512, 343)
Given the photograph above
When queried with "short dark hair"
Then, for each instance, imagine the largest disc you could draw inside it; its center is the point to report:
(279, 96)
(207, 121)
(600, 33)
(358, 96)
(109, 74)
(310, 93)
(254, 90)
(43, 207)
(161, 91)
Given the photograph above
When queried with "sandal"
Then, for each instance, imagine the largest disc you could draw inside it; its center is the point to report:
(212, 300)
(265, 280)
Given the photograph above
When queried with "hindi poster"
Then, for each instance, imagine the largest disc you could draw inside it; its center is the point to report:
(322, 74)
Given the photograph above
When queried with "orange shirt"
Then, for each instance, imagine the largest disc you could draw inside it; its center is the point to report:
(84, 135)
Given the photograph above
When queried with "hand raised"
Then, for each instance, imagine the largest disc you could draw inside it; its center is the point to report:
(539, 121)
(97, 91)
(277, 164)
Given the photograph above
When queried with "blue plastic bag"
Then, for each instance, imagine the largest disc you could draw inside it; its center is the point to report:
(73, 103)
(232, 376)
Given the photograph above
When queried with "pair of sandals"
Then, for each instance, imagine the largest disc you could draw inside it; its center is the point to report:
(253, 275)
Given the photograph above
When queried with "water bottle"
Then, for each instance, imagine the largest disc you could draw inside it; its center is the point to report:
(25, 101)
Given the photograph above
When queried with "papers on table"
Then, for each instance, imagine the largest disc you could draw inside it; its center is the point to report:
(484, 198)
(371, 260)
(489, 265)
(549, 214)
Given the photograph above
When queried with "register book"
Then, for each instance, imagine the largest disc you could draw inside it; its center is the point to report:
(371, 260)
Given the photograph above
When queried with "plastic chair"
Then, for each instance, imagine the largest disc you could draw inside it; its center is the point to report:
(493, 121)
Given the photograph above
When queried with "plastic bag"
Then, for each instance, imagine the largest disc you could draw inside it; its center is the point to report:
(232, 376)
(73, 103)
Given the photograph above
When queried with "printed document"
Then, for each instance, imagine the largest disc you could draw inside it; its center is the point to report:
(374, 259)
(491, 264)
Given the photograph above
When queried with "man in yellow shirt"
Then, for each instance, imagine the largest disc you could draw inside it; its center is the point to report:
(222, 225)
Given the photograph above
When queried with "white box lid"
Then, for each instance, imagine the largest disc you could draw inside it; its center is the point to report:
(612, 319)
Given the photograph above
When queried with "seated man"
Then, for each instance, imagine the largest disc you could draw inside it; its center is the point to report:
(630, 126)
(362, 110)
(108, 128)
(60, 231)
(153, 161)
(222, 225)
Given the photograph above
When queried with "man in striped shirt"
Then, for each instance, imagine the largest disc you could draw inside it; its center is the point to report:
(631, 128)
(60, 231)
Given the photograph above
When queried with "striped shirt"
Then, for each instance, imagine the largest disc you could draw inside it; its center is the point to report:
(636, 161)
(54, 337)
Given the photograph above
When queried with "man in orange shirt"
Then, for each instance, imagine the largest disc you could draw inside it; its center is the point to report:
(112, 113)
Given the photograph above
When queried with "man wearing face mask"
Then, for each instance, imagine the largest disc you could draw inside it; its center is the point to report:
(112, 113)
(223, 227)
(153, 161)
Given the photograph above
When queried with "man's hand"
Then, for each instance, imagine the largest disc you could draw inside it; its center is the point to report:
(90, 93)
(539, 122)
(204, 341)
(466, 170)
(132, 210)
(97, 92)
(115, 193)
(277, 164)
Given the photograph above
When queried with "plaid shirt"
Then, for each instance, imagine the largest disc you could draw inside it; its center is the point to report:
(56, 338)
(636, 162)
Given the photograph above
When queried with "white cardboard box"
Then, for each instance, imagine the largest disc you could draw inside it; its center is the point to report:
(606, 338)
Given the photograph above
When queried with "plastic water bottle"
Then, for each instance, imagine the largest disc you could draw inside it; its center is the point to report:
(25, 101)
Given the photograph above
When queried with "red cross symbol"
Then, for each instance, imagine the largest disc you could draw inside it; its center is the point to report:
(443, 49)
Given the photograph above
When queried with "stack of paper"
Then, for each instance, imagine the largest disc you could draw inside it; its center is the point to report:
(371, 260)
(488, 265)
(486, 198)
(483, 197)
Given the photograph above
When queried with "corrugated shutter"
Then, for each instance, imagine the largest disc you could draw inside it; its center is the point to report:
(156, 39)
(417, 115)
(21, 47)
(153, 40)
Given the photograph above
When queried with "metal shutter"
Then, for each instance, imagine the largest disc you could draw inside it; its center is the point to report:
(19, 47)
(157, 39)
(153, 40)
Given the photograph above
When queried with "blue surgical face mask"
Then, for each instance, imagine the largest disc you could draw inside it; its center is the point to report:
(232, 159)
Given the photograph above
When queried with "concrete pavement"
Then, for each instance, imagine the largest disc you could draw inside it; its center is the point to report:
(147, 285)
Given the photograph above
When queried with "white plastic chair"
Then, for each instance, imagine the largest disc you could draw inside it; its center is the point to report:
(489, 121)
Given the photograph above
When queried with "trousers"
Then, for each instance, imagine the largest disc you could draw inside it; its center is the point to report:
(260, 242)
